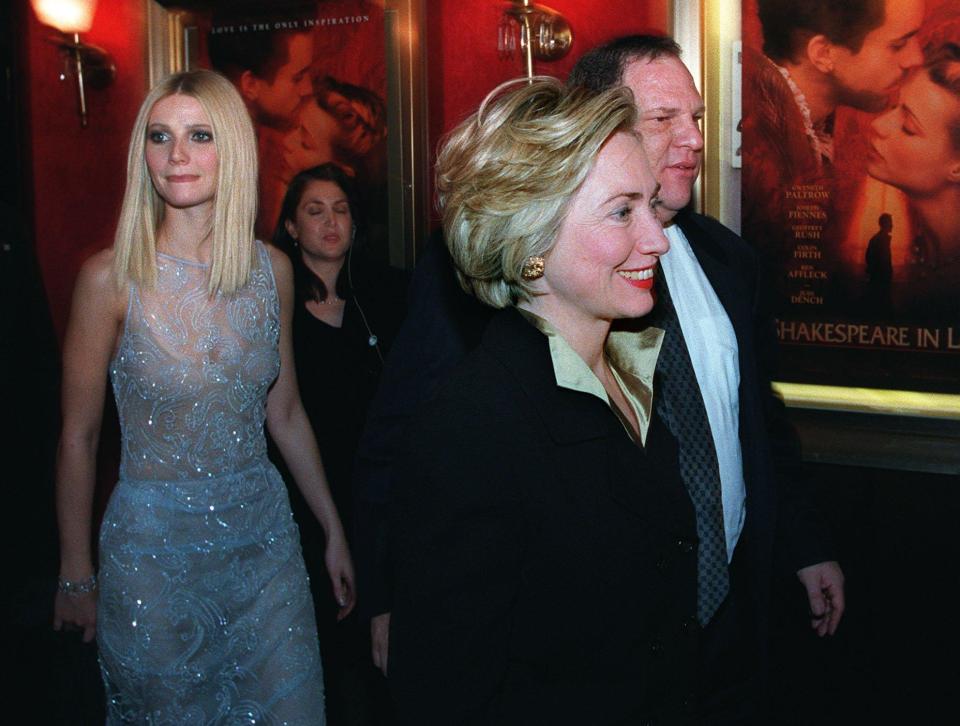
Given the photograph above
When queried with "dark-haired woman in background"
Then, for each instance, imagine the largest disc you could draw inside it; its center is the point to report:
(347, 313)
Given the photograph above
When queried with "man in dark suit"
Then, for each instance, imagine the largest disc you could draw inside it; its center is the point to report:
(757, 511)
(711, 302)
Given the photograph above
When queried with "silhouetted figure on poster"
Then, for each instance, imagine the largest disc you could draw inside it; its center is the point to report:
(880, 267)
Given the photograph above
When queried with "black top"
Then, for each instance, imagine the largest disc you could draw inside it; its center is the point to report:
(338, 372)
(443, 324)
(545, 564)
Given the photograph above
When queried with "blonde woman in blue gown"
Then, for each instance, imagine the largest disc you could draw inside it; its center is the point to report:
(201, 606)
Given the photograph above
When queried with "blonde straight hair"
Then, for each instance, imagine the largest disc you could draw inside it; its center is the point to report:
(235, 205)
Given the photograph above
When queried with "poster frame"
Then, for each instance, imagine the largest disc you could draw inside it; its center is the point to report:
(720, 199)
(171, 44)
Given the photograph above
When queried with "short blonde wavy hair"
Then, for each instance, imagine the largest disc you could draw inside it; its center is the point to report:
(235, 207)
(505, 176)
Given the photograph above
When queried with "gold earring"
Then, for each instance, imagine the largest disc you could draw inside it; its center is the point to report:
(532, 268)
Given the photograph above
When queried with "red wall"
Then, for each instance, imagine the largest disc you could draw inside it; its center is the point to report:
(79, 173)
(462, 61)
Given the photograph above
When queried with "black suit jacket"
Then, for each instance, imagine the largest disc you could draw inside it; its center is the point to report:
(782, 530)
(545, 564)
(443, 324)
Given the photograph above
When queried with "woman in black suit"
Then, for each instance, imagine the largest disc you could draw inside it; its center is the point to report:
(545, 548)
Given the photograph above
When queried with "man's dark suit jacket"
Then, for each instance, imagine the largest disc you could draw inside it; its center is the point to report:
(545, 563)
(782, 532)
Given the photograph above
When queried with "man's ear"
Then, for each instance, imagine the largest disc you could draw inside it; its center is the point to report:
(820, 52)
(953, 173)
(249, 86)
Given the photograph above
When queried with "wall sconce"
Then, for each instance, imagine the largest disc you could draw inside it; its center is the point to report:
(539, 32)
(92, 66)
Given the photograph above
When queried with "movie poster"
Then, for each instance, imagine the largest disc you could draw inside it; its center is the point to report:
(313, 76)
(851, 188)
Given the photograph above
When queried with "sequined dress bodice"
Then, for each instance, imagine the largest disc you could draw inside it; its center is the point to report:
(192, 371)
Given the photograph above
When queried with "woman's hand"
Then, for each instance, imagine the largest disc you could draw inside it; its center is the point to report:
(76, 611)
(340, 569)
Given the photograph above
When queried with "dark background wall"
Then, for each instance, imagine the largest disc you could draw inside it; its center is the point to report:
(892, 660)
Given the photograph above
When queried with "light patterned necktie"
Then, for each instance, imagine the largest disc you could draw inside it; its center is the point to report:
(680, 405)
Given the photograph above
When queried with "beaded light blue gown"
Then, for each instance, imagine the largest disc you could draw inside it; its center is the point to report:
(205, 614)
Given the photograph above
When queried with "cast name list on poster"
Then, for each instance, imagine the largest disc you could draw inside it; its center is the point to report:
(807, 191)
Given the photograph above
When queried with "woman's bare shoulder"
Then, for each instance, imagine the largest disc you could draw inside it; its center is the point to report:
(97, 282)
(282, 273)
(98, 267)
(280, 262)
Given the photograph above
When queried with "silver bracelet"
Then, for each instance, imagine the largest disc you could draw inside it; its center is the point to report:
(80, 587)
